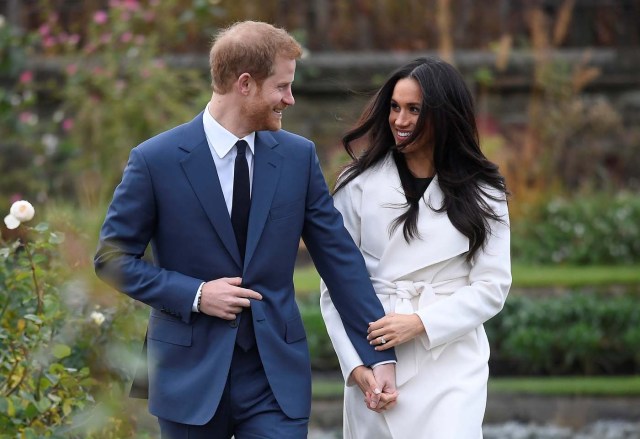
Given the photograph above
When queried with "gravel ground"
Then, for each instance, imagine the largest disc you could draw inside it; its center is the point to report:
(514, 430)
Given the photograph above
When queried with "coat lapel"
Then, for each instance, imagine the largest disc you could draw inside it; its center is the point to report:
(200, 170)
(439, 239)
(266, 173)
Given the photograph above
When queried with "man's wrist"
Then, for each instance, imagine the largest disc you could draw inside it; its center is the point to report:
(197, 301)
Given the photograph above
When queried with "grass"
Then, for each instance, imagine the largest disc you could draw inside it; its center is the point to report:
(562, 276)
(307, 280)
(541, 386)
(574, 386)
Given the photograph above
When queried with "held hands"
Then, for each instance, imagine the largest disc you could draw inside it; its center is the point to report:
(379, 390)
(225, 298)
(394, 329)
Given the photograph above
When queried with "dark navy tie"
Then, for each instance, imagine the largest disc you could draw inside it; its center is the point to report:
(240, 220)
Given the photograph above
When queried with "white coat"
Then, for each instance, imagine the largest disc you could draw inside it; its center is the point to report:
(442, 374)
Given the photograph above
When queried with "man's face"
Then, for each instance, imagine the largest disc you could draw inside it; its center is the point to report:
(264, 109)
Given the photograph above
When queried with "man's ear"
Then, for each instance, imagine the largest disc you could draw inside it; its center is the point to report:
(245, 83)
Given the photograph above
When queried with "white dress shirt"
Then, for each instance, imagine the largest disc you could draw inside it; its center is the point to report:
(222, 145)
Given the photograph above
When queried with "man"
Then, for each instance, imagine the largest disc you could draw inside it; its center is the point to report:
(224, 200)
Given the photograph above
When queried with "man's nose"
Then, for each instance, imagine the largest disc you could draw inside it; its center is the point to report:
(288, 98)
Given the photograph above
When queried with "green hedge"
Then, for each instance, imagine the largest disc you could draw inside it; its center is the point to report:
(596, 229)
(576, 333)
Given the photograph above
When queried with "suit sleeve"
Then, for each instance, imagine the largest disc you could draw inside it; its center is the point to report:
(341, 266)
(489, 283)
(127, 230)
(346, 201)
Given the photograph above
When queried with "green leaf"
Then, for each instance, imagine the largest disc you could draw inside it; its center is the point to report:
(56, 238)
(34, 318)
(42, 227)
(61, 351)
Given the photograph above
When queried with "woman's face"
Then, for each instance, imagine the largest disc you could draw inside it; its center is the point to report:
(404, 110)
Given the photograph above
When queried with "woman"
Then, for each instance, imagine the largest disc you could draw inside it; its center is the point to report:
(429, 213)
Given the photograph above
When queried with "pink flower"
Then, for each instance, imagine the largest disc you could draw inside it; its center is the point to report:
(44, 30)
(67, 124)
(74, 39)
(26, 77)
(132, 5)
(105, 38)
(126, 37)
(49, 42)
(100, 17)
(72, 69)
(15, 197)
(25, 117)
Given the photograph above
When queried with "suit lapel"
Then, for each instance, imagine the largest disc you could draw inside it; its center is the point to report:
(266, 173)
(200, 170)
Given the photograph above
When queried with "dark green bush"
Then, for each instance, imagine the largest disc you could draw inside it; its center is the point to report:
(576, 333)
(597, 229)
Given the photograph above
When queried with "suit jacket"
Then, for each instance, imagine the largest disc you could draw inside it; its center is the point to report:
(429, 276)
(170, 197)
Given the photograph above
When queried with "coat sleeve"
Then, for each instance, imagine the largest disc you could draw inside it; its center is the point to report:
(127, 230)
(489, 282)
(341, 265)
(347, 201)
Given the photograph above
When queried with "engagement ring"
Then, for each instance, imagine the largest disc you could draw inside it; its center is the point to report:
(382, 340)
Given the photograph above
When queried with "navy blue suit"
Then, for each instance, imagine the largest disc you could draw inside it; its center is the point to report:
(170, 196)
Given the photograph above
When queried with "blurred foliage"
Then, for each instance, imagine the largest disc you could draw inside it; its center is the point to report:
(582, 230)
(119, 92)
(24, 139)
(372, 24)
(42, 385)
(577, 333)
(66, 354)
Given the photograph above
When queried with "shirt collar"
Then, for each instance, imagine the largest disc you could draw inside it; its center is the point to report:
(220, 139)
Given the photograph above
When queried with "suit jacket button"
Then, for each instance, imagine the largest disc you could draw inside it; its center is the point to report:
(234, 323)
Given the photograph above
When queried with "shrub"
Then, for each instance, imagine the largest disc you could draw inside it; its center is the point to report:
(596, 229)
(575, 333)
(40, 388)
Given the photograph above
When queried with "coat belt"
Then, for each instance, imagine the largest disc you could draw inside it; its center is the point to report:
(402, 294)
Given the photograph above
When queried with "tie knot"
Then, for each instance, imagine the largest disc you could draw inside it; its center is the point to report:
(241, 146)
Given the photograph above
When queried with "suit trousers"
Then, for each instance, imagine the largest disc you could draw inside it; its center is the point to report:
(247, 409)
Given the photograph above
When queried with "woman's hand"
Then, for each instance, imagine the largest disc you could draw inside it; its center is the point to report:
(374, 398)
(394, 329)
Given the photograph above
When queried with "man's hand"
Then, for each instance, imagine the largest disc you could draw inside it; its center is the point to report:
(363, 377)
(225, 298)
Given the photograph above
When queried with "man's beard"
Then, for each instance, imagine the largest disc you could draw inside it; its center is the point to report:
(260, 116)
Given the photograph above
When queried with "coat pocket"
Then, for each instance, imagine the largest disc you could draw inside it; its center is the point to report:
(286, 210)
(294, 330)
(169, 331)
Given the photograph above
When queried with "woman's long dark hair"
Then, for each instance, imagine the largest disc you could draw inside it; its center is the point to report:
(463, 171)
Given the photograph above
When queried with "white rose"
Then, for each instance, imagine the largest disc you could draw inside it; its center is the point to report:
(97, 317)
(11, 222)
(22, 211)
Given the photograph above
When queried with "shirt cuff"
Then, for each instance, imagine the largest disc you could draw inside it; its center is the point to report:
(194, 307)
(373, 366)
